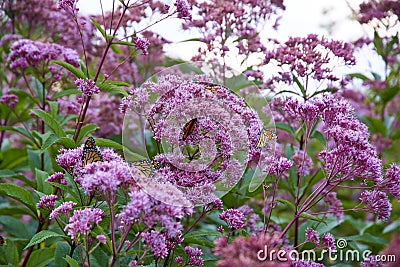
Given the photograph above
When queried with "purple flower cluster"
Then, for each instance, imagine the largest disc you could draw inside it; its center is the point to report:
(182, 8)
(391, 183)
(141, 44)
(10, 100)
(312, 236)
(47, 201)
(374, 9)
(69, 6)
(157, 242)
(378, 203)
(234, 218)
(193, 255)
(25, 53)
(309, 57)
(327, 239)
(82, 221)
(57, 177)
(144, 210)
(106, 177)
(88, 87)
(241, 19)
(242, 251)
(64, 208)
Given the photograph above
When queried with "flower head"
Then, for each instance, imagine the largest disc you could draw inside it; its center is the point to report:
(47, 201)
(82, 221)
(234, 218)
(88, 87)
(378, 203)
(312, 236)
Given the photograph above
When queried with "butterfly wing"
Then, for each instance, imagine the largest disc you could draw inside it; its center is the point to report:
(145, 167)
(91, 153)
(188, 128)
(266, 135)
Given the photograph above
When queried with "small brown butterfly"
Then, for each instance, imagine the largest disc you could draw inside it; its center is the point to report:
(91, 153)
(188, 128)
(146, 167)
(266, 135)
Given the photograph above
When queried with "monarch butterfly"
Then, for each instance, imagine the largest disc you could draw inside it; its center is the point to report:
(266, 135)
(90, 152)
(146, 167)
(188, 128)
(211, 87)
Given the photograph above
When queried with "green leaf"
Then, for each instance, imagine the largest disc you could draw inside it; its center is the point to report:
(109, 86)
(50, 121)
(301, 87)
(108, 143)
(389, 93)
(11, 174)
(10, 253)
(116, 49)
(394, 226)
(35, 160)
(66, 93)
(320, 137)
(359, 76)
(375, 125)
(53, 108)
(367, 238)
(15, 227)
(49, 141)
(62, 249)
(85, 130)
(101, 30)
(285, 127)
(41, 257)
(125, 43)
(42, 185)
(13, 157)
(17, 129)
(77, 72)
(72, 262)
(20, 194)
(327, 90)
(311, 217)
(42, 236)
(378, 43)
(287, 203)
(66, 142)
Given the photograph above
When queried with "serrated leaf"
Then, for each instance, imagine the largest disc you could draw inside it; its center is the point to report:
(108, 86)
(71, 261)
(20, 194)
(41, 257)
(50, 121)
(42, 236)
(77, 72)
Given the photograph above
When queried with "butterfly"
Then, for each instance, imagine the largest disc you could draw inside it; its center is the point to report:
(188, 128)
(146, 167)
(211, 87)
(266, 135)
(91, 153)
